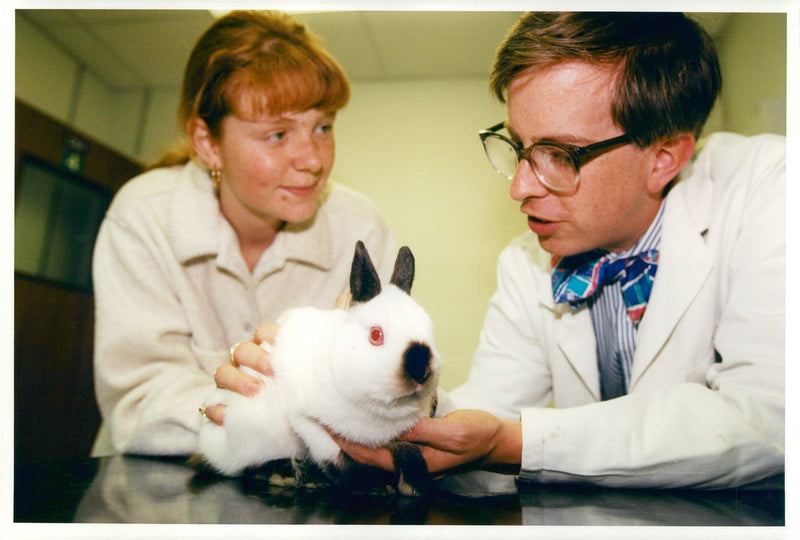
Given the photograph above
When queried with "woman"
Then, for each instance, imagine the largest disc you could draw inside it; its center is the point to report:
(194, 254)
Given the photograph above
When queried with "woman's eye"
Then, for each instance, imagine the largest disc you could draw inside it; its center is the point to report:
(376, 336)
(276, 136)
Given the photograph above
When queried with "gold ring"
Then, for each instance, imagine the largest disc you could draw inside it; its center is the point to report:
(203, 411)
(233, 349)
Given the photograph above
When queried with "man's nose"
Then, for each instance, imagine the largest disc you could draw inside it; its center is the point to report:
(526, 183)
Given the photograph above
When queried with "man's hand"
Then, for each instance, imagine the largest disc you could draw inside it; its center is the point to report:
(462, 439)
(246, 353)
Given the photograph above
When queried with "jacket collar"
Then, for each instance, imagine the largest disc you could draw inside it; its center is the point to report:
(197, 230)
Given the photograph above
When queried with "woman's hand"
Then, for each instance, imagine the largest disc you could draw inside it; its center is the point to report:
(246, 353)
(250, 354)
(462, 439)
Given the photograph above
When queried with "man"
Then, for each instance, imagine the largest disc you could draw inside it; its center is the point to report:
(651, 354)
(672, 373)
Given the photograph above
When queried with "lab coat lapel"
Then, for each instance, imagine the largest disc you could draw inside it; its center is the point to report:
(575, 337)
(684, 266)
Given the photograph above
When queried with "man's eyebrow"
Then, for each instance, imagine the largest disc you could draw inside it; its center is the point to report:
(564, 138)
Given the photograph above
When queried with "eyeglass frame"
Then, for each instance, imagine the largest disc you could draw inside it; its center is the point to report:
(578, 154)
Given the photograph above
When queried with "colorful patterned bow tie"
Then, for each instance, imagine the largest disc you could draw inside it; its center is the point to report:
(578, 277)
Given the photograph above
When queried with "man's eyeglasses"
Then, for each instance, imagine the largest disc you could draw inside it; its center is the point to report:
(557, 165)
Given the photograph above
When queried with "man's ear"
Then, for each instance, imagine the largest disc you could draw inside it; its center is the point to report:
(204, 144)
(671, 156)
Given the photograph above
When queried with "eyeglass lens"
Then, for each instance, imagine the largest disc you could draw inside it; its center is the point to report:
(502, 156)
(554, 166)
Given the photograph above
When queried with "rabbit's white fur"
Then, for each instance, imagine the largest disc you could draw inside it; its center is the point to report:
(327, 373)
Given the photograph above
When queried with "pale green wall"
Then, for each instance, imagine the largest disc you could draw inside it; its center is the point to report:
(753, 57)
(412, 147)
(161, 129)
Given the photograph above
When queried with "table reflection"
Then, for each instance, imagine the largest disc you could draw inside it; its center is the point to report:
(552, 505)
(126, 489)
(139, 490)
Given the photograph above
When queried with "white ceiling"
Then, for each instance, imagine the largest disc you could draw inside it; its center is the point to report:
(131, 49)
(134, 48)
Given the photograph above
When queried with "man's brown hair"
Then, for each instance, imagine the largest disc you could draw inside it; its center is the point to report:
(667, 70)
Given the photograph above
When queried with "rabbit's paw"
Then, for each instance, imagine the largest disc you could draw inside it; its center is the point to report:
(353, 477)
(412, 471)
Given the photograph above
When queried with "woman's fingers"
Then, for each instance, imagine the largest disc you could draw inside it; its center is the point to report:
(215, 413)
(245, 354)
(229, 377)
(251, 355)
(265, 333)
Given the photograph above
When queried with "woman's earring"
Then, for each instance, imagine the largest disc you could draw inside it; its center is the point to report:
(216, 177)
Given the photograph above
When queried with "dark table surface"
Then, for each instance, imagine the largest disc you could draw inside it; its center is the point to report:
(126, 489)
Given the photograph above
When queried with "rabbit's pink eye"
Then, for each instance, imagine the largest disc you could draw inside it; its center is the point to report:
(376, 336)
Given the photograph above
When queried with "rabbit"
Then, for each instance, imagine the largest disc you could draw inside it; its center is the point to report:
(367, 373)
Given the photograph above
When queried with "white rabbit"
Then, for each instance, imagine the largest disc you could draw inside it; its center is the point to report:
(368, 373)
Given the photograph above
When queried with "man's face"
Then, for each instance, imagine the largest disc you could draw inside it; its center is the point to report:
(570, 102)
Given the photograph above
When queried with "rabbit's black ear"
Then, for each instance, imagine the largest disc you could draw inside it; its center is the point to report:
(403, 275)
(364, 281)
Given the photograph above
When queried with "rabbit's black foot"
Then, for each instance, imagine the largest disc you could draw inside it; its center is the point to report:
(412, 471)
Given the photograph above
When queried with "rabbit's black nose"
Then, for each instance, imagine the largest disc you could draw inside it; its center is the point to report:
(416, 362)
